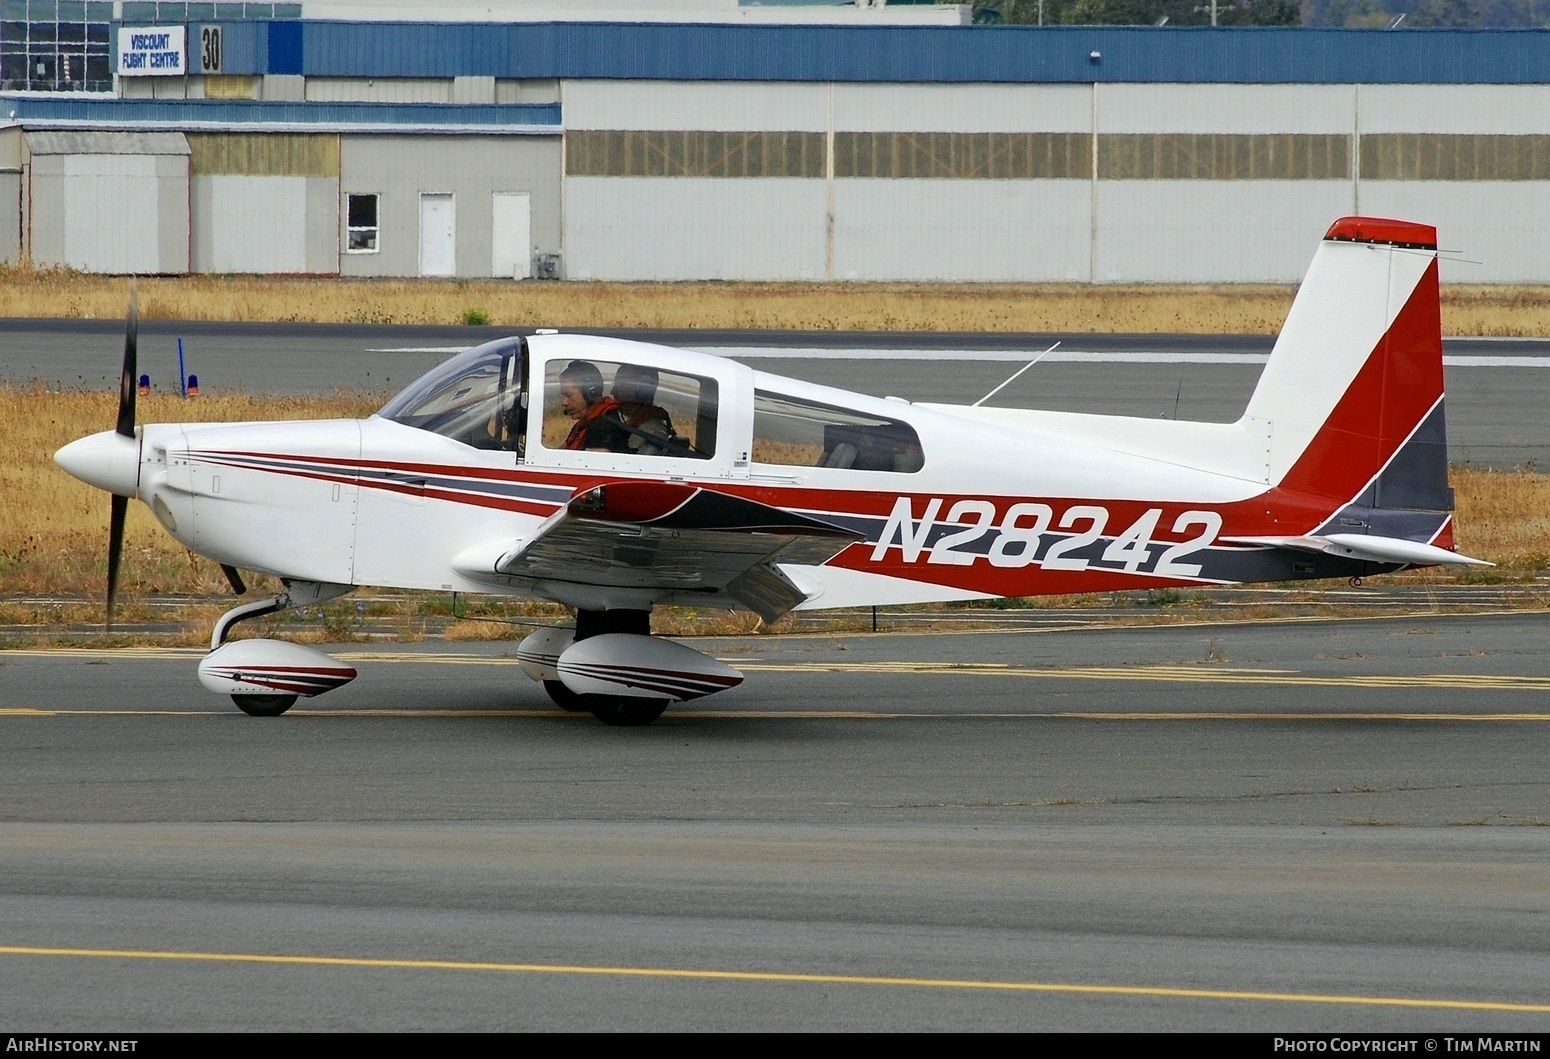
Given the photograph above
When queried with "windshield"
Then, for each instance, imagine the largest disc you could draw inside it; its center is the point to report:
(475, 398)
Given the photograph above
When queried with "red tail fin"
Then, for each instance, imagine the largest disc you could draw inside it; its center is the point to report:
(1354, 389)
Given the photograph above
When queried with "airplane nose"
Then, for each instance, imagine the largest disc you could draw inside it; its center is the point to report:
(108, 460)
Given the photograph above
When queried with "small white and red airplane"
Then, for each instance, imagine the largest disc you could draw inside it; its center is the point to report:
(614, 476)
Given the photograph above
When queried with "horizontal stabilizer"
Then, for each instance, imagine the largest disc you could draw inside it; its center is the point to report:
(1362, 546)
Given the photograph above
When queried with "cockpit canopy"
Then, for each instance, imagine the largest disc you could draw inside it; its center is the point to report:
(651, 406)
(478, 397)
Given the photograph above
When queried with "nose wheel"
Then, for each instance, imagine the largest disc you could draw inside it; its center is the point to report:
(264, 705)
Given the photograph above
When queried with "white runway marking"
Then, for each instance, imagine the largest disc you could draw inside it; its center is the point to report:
(1068, 356)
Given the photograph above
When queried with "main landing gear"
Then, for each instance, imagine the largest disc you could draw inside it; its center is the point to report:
(612, 667)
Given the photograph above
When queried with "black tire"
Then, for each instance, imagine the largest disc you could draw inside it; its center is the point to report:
(264, 705)
(565, 698)
(620, 712)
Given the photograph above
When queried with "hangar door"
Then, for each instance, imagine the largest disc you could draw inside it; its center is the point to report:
(265, 202)
(109, 201)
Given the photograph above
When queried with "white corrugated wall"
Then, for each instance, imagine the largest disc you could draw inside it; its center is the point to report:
(1107, 230)
(684, 228)
(112, 214)
(987, 230)
(1212, 231)
(1499, 229)
(256, 223)
(971, 230)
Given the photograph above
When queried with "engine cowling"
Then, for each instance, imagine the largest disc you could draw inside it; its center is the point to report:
(644, 667)
(271, 667)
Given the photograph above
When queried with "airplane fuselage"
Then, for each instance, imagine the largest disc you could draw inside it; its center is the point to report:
(381, 503)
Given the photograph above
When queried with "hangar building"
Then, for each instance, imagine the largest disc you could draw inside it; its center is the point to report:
(673, 151)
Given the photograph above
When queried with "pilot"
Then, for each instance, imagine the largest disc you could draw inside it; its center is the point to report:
(635, 388)
(598, 427)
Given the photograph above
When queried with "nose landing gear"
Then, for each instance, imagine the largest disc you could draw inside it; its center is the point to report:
(266, 677)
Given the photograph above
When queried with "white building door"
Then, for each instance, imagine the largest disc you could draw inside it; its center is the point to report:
(438, 252)
(511, 235)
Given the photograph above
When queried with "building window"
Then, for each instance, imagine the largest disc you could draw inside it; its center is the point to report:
(49, 46)
(362, 224)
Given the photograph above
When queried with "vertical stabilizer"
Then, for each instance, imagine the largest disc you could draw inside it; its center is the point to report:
(1354, 388)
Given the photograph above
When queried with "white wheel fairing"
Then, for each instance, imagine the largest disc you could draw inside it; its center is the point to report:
(270, 667)
(539, 653)
(645, 667)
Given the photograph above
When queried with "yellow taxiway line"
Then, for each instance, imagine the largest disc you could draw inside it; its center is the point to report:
(1175, 674)
(782, 977)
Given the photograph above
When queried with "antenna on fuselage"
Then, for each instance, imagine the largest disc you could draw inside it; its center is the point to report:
(1015, 374)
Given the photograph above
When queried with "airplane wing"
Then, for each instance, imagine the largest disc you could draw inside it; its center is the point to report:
(668, 536)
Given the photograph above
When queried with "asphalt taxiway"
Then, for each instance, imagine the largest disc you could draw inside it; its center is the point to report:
(1332, 825)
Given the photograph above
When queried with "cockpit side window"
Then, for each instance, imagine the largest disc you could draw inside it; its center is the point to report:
(630, 409)
(478, 397)
(794, 432)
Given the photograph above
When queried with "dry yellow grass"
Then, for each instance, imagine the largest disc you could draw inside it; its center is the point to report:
(1503, 516)
(53, 529)
(1221, 309)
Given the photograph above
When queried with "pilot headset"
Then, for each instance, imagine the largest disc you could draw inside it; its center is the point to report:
(586, 378)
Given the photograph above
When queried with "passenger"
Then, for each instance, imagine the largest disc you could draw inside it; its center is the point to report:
(597, 425)
(635, 388)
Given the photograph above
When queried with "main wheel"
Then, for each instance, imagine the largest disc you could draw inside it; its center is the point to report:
(264, 705)
(621, 712)
(564, 697)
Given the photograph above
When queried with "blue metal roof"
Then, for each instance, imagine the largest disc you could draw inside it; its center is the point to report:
(75, 110)
(1017, 54)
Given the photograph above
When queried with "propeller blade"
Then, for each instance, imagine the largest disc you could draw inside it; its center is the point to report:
(128, 380)
(115, 551)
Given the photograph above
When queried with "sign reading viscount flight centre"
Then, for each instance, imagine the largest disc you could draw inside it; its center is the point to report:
(151, 51)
